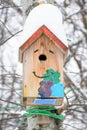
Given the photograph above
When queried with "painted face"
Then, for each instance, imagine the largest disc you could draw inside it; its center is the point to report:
(45, 66)
(44, 57)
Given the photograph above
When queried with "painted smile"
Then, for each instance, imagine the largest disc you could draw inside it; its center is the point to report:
(42, 76)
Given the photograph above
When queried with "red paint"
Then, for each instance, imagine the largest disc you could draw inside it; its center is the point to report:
(54, 38)
(37, 34)
(31, 40)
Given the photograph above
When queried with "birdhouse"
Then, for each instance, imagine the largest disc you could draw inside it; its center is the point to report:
(42, 54)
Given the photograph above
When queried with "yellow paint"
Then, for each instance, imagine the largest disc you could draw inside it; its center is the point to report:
(25, 91)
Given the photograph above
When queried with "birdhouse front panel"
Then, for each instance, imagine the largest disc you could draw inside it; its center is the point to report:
(43, 71)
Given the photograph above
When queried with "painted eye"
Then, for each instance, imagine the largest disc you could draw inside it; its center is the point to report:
(51, 51)
(36, 50)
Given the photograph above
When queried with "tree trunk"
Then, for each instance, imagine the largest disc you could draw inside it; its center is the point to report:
(54, 124)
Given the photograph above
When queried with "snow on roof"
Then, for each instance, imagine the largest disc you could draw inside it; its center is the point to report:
(44, 14)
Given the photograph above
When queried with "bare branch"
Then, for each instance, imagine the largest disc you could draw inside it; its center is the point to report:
(11, 102)
(10, 37)
(80, 11)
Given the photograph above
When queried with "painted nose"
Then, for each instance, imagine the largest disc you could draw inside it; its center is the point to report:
(42, 57)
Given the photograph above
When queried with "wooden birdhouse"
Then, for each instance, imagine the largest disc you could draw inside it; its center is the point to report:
(42, 55)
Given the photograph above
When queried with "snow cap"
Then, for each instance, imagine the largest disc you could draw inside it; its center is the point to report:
(48, 15)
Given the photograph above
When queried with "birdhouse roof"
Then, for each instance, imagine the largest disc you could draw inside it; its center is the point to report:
(42, 30)
(48, 15)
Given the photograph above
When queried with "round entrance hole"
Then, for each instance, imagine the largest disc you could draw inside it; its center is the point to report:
(42, 57)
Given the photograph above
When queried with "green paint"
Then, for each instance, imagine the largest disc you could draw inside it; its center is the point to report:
(52, 75)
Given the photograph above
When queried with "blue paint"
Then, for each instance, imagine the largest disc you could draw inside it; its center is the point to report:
(44, 101)
(41, 95)
(57, 90)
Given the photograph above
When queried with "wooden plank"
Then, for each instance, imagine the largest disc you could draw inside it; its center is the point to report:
(30, 101)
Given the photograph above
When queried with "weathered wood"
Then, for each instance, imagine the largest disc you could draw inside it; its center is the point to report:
(29, 101)
(32, 63)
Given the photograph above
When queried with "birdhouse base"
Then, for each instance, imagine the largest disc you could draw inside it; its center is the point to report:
(34, 101)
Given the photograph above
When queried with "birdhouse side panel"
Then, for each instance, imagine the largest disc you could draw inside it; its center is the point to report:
(30, 82)
(60, 61)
